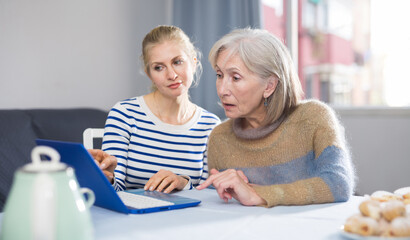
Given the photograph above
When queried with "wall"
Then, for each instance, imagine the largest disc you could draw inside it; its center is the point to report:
(380, 143)
(76, 53)
(85, 53)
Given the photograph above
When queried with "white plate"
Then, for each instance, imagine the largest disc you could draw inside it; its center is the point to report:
(359, 237)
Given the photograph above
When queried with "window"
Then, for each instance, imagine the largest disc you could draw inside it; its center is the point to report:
(351, 52)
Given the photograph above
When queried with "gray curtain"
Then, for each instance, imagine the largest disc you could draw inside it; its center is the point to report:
(205, 21)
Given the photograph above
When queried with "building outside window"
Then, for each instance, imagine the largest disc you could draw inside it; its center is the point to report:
(350, 52)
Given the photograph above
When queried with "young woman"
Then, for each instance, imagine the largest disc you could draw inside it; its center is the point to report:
(158, 141)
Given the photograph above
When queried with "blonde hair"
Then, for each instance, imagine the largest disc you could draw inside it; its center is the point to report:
(265, 55)
(164, 33)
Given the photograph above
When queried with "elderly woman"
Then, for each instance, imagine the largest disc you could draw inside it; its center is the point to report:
(275, 149)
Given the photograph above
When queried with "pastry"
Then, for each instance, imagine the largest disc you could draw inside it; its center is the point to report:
(371, 208)
(402, 191)
(400, 227)
(393, 209)
(384, 228)
(361, 225)
(384, 196)
(383, 214)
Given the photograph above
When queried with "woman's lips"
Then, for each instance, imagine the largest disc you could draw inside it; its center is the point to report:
(228, 106)
(175, 85)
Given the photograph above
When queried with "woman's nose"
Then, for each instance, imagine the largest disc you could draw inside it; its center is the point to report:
(222, 87)
(172, 75)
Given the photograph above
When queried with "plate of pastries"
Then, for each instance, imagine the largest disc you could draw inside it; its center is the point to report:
(382, 215)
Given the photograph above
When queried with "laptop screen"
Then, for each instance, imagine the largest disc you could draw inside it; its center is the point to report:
(90, 176)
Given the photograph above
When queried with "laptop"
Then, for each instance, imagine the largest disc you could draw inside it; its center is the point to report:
(90, 176)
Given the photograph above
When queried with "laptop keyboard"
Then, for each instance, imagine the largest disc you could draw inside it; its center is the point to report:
(138, 201)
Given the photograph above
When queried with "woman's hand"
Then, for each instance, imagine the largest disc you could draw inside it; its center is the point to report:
(105, 161)
(233, 183)
(166, 181)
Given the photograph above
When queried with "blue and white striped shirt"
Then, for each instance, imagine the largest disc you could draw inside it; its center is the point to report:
(143, 144)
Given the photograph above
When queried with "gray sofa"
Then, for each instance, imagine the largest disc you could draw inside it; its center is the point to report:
(20, 128)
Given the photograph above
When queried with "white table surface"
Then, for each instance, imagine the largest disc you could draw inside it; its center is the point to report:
(214, 219)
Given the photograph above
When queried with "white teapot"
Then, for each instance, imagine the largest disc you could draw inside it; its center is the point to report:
(45, 202)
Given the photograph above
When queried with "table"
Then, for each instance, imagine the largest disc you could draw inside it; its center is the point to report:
(214, 219)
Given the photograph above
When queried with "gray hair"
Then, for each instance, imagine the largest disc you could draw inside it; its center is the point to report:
(265, 55)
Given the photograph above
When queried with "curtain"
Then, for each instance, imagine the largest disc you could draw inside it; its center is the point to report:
(205, 21)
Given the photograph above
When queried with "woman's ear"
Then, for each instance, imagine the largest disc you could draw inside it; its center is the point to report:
(272, 82)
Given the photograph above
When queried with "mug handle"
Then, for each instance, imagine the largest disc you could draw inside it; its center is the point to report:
(90, 196)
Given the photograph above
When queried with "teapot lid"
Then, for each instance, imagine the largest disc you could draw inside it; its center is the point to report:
(38, 165)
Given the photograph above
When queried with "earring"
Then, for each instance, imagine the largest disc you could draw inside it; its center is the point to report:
(265, 103)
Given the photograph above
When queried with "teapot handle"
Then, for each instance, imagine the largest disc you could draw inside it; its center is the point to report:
(44, 150)
(90, 197)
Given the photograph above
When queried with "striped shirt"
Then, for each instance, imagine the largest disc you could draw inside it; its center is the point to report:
(143, 144)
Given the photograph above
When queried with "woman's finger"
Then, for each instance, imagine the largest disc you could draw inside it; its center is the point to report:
(243, 176)
(109, 175)
(153, 182)
(227, 195)
(165, 182)
(171, 187)
(208, 182)
(159, 180)
(108, 162)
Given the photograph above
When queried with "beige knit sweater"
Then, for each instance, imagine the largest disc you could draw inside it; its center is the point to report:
(303, 161)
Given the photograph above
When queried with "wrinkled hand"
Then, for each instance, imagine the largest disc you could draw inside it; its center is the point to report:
(166, 181)
(233, 184)
(105, 161)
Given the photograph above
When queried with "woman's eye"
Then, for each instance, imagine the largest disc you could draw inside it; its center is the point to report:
(158, 68)
(218, 75)
(235, 78)
(178, 62)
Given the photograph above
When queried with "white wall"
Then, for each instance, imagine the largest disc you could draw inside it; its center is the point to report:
(74, 53)
(380, 144)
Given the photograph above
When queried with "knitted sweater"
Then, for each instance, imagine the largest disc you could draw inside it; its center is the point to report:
(143, 144)
(303, 161)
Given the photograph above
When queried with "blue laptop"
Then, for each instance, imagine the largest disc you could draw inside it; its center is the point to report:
(89, 175)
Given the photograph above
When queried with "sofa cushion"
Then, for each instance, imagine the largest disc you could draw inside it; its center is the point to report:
(65, 124)
(16, 141)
